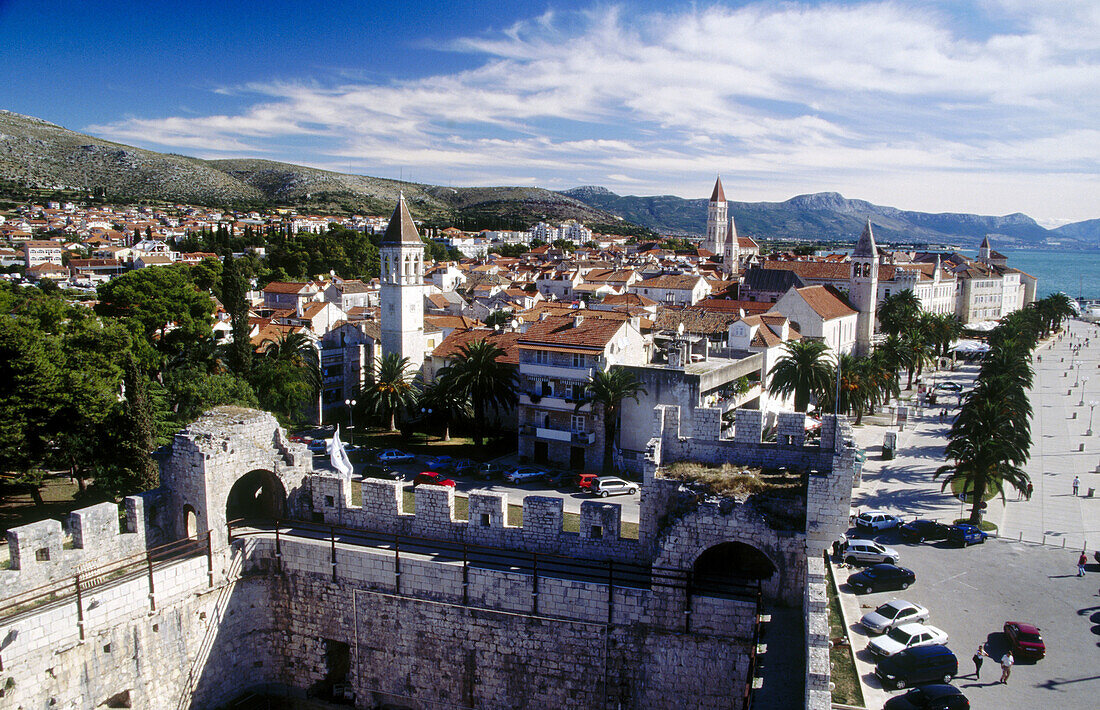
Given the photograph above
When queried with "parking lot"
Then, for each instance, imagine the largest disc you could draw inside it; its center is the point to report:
(971, 592)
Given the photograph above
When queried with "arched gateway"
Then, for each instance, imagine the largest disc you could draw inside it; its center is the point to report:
(233, 463)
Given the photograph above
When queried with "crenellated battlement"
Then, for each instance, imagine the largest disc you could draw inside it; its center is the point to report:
(382, 510)
(42, 552)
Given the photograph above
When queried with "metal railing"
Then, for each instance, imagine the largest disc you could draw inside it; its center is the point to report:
(76, 585)
(536, 564)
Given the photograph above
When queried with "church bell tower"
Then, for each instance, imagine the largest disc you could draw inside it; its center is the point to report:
(863, 289)
(402, 257)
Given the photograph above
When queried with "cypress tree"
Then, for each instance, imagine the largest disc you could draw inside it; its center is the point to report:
(137, 435)
(234, 288)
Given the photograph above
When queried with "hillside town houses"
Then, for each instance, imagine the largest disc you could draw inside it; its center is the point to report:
(699, 327)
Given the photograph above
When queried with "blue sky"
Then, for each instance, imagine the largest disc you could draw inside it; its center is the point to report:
(989, 106)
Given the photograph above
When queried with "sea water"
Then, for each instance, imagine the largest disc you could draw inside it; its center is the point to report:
(1073, 272)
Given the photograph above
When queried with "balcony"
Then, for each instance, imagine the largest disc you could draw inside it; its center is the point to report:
(558, 371)
(563, 404)
(580, 438)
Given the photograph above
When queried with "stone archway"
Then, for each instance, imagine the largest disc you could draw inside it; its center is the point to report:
(190, 521)
(257, 494)
(731, 567)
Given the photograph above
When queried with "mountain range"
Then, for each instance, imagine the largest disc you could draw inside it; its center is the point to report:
(36, 154)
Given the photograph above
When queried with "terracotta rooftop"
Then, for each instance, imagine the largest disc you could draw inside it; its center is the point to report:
(826, 302)
(594, 331)
(506, 341)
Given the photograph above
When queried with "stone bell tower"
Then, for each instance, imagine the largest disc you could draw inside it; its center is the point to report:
(863, 289)
(402, 256)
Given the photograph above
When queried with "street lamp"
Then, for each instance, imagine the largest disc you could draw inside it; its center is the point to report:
(351, 417)
(425, 412)
(1082, 402)
(1092, 408)
(1078, 382)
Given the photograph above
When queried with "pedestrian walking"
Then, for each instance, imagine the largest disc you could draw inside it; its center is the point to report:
(1030, 489)
(1081, 562)
(1076, 484)
(979, 656)
(1007, 661)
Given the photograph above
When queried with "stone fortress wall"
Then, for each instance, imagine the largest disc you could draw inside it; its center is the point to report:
(424, 631)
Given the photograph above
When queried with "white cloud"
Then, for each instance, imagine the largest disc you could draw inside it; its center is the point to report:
(785, 98)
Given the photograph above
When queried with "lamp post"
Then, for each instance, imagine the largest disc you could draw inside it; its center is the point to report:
(424, 414)
(1082, 402)
(1092, 408)
(1078, 382)
(351, 418)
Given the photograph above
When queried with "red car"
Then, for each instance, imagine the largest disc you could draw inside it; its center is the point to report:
(585, 481)
(431, 478)
(1025, 640)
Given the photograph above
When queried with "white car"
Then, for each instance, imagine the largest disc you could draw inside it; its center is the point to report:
(907, 636)
(605, 486)
(893, 614)
(877, 520)
(868, 552)
(394, 456)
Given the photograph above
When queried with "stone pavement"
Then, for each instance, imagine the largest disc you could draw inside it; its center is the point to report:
(1065, 384)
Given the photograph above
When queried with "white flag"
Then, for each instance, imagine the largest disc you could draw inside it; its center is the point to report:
(338, 457)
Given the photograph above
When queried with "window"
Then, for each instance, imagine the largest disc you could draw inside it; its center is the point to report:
(484, 520)
(578, 360)
(578, 423)
(330, 501)
(596, 532)
(42, 554)
(542, 357)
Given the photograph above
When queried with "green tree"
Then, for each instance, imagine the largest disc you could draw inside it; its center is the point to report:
(287, 376)
(31, 395)
(135, 437)
(804, 371)
(163, 302)
(234, 288)
(193, 390)
(490, 384)
(608, 390)
(898, 312)
(447, 402)
(390, 389)
(498, 318)
(207, 275)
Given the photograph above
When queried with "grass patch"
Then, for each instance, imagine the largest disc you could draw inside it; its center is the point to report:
(59, 497)
(986, 525)
(957, 484)
(730, 480)
(842, 667)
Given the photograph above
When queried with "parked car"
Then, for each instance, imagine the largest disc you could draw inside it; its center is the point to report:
(318, 446)
(380, 471)
(525, 474)
(490, 470)
(949, 386)
(868, 552)
(877, 520)
(605, 486)
(1025, 640)
(930, 697)
(907, 636)
(893, 614)
(440, 463)
(921, 530)
(585, 481)
(880, 578)
(917, 666)
(432, 478)
(465, 467)
(963, 534)
(394, 456)
(560, 478)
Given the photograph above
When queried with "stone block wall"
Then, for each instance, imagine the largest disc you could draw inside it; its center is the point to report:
(816, 609)
(38, 551)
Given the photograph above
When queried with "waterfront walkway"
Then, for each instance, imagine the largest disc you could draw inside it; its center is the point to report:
(1060, 450)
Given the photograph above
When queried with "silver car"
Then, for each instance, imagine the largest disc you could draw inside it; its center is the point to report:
(605, 486)
(893, 614)
(868, 552)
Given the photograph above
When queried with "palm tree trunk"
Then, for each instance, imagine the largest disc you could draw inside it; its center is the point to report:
(447, 431)
(478, 417)
(979, 496)
(393, 421)
(909, 386)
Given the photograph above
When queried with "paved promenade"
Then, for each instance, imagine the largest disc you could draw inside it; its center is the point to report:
(1058, 428)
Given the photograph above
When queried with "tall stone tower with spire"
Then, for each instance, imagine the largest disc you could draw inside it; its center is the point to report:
(402, 256)
(717, 220)
(721, 234)
(863, 289)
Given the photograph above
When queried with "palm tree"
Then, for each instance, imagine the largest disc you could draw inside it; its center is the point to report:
(287, 375)
(442, 397)
(804, 371)
(893, 355)
(609, 389)
(898, 312)
(987, 452)
(478, 374)
(391, 388)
